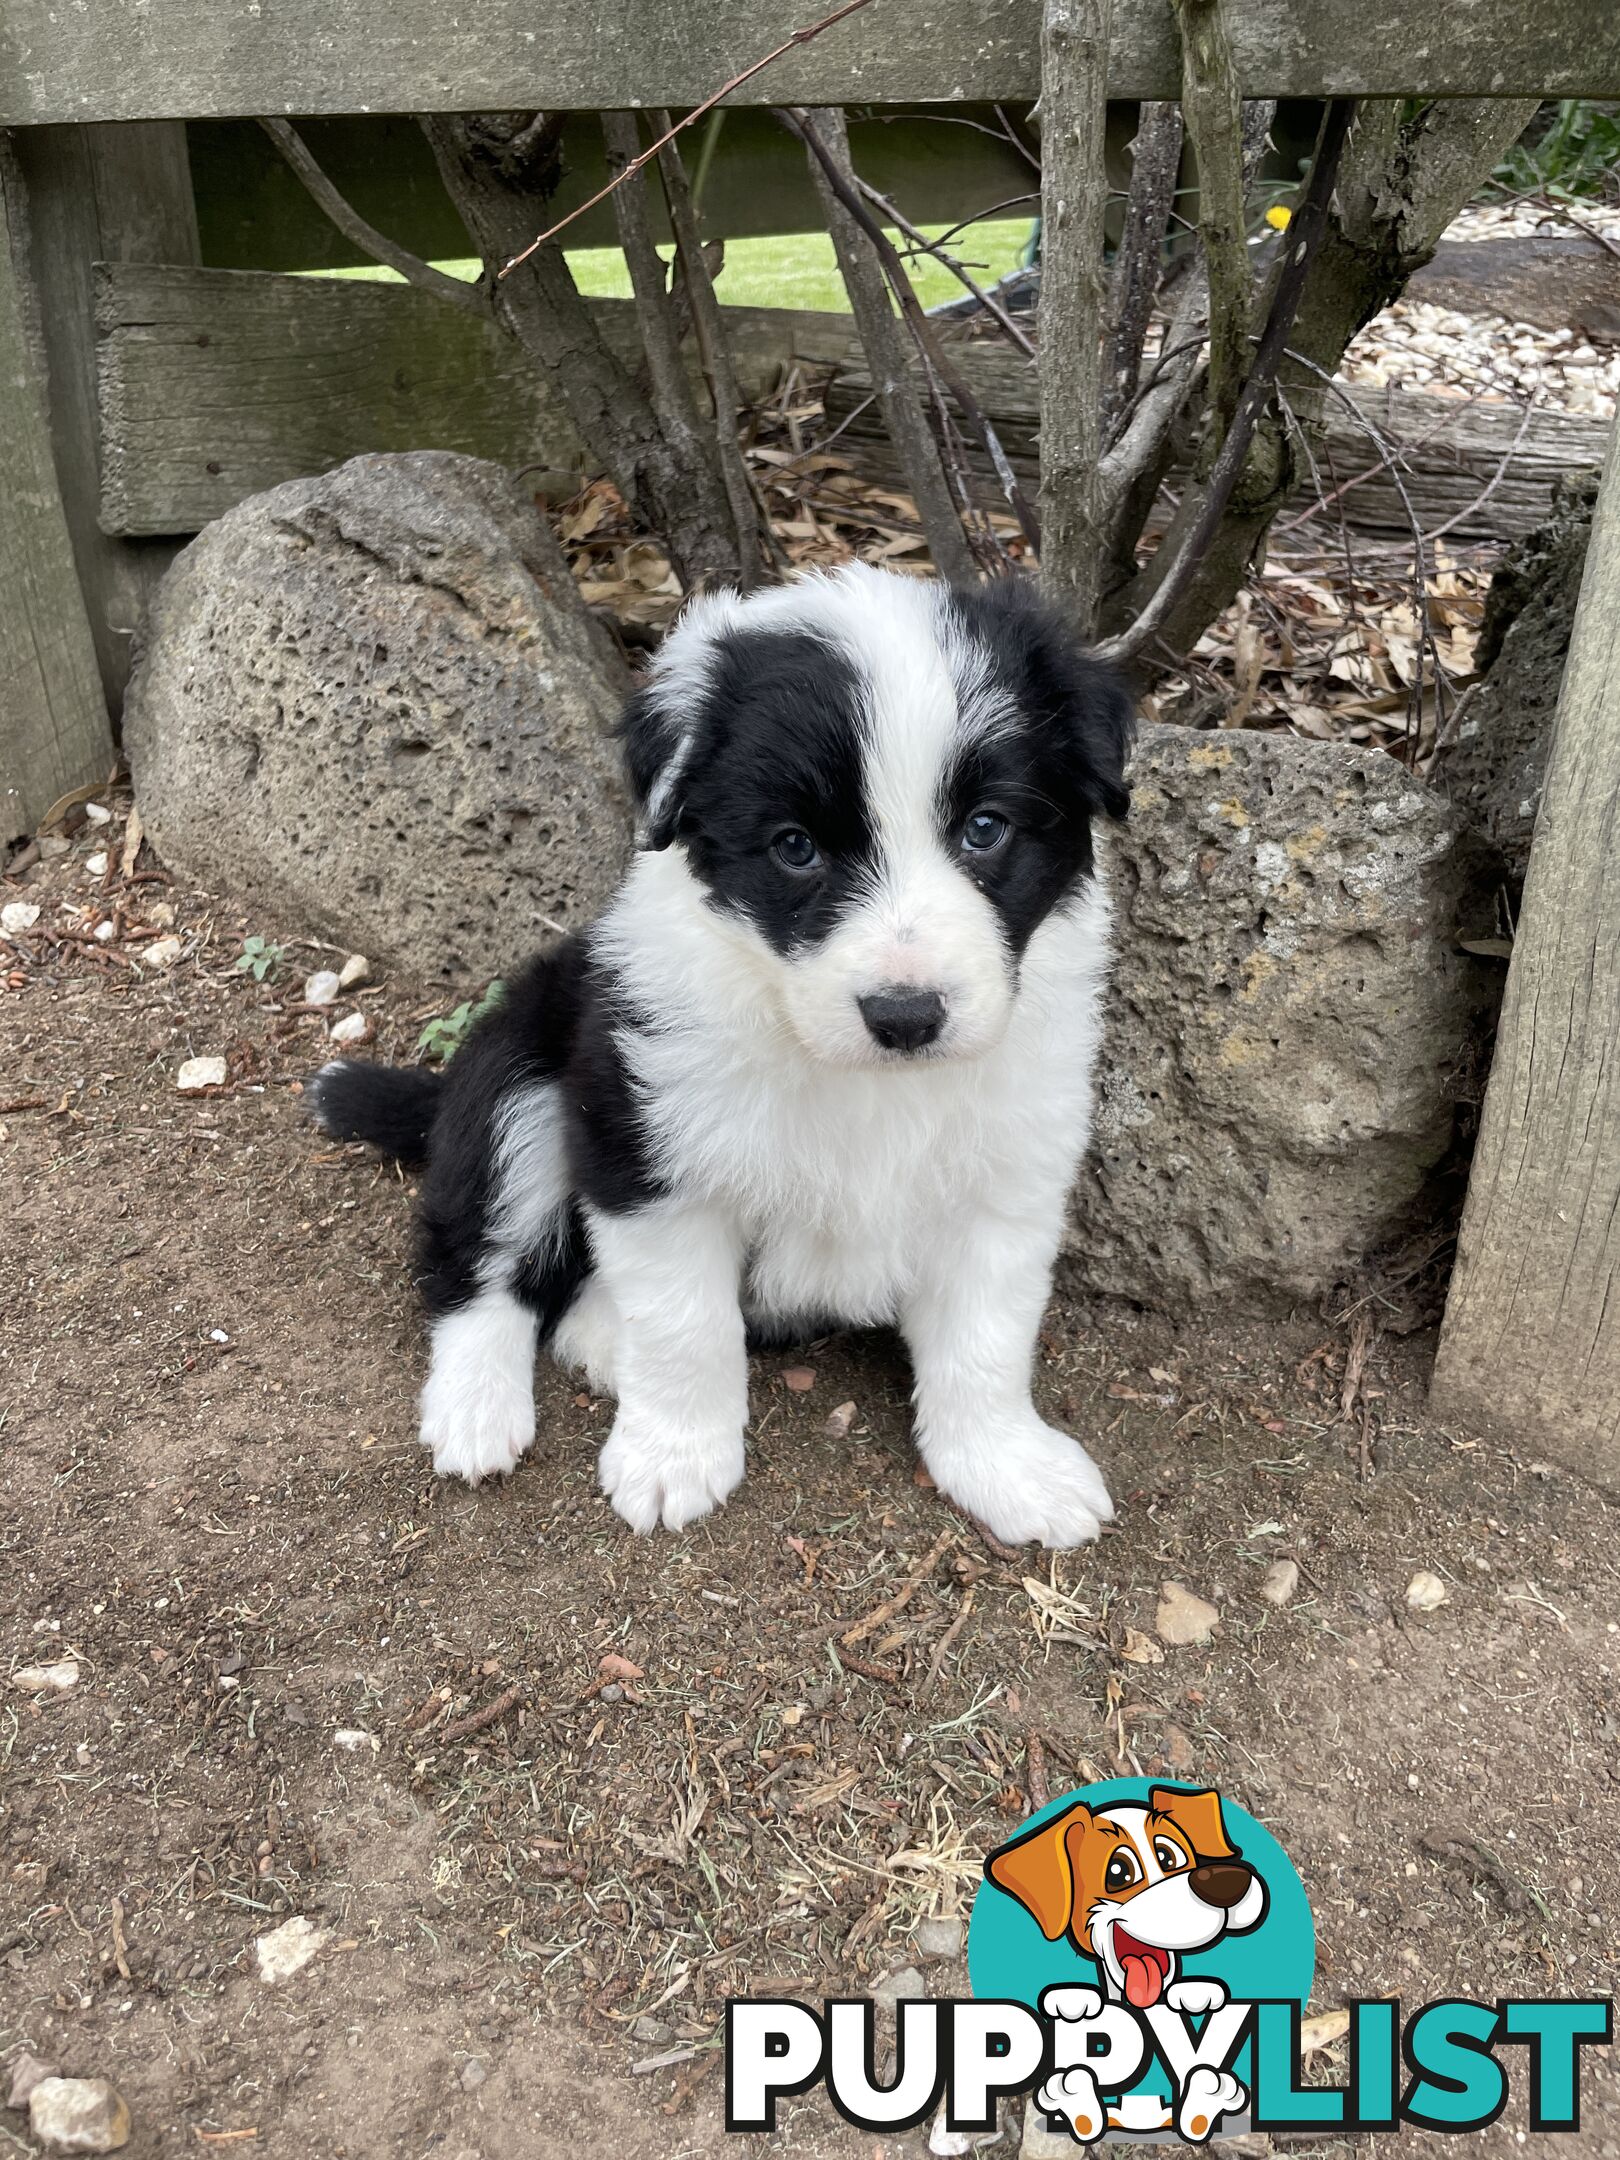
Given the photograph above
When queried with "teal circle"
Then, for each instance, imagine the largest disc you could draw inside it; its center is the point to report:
(1010, 1959)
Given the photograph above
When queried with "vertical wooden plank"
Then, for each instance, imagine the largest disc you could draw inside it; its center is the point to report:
(112, 193)
(53, 714)
(1531, 1345)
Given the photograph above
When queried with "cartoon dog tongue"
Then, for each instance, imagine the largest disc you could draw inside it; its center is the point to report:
(1141, 1981)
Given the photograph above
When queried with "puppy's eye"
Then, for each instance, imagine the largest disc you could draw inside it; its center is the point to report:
(796, 849)
(1170, 1857)
(984, 831)
(1121, 1871)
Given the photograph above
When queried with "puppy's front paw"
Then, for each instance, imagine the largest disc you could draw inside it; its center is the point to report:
(477, 1429)
(671, 1478)
(1029, 1484)
(1194, 1997)
(1074, 2005)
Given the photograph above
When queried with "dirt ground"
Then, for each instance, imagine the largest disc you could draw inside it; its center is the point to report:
(555, 1792)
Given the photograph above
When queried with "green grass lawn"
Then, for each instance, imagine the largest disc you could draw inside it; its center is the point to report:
(795, 270)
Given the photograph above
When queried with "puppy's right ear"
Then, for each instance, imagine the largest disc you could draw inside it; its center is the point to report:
(655, 752)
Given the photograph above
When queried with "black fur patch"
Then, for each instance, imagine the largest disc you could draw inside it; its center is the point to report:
(1061, 764)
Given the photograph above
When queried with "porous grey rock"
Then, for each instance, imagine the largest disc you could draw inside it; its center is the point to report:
(1290, 1022)
(1495, 765)
(372, 703)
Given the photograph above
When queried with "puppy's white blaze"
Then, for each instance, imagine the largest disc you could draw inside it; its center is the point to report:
(478, 1403)
(530, 1214)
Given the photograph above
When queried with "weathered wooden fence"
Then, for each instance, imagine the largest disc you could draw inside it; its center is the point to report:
(122, 420)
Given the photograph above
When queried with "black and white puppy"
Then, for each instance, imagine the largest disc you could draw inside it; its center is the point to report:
(826, 1058)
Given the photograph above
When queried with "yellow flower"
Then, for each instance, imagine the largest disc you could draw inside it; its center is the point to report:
(1277, 217)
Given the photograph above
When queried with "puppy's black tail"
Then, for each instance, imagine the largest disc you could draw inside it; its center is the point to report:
(391, 1106)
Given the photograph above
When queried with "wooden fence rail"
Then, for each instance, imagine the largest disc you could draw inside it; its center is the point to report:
(217, 383)
(155, 59)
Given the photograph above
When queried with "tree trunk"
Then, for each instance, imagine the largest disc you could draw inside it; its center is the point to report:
(499, 168)
(1531, 1346)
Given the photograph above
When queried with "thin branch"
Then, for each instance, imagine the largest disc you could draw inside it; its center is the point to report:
(958, 269)
(1074, 201)
(1213, 111)
(1155, 165)
(842, 183)
(1304, 237)
(471, 298)
(920, 454)
(799, 37)
(715, 350)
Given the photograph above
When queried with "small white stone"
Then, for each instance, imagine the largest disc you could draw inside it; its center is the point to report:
(941, 1938)
(1280, 1581)
(96, 865)
(162, 914)
(104, 932)
(98, 813)
(354, 971)
(17, 916)
(907, 1985)
(78, 2115)
(54, 1679)
(352, 1028)
(162, 953)
(353, 1742)
(1426, 1592)
(321, 988)
(289, 1948)
(200, 1072)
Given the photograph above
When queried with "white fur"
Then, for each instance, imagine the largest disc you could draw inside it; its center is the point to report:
(928, 1193)
(478, 1402)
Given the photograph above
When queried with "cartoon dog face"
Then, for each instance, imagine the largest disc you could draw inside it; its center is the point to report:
(1134, 1887)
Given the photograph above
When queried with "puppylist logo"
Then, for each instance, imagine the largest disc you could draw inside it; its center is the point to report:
(1141, 1955)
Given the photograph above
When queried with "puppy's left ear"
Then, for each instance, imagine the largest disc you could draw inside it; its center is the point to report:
(655, 751)
(1082, 700)
(1198, 1816)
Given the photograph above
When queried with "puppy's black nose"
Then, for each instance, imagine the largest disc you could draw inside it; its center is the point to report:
(1219, 1883)
(901, 1018)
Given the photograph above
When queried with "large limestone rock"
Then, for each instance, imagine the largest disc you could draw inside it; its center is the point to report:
(357, 706)
(1290, 1022)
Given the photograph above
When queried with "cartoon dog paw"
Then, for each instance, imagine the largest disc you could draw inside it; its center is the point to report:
(1193, 1997)
(1072, 2094)
(1073, 2004)
(1207, 2095)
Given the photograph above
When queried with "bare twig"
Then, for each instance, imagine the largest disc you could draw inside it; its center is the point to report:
(491, 1713)
(799, 37)
(958, 269)
(1155, 163)
(884, 342)
(1213, 111)
(472, 298)
(904, 1595)
(1074, 198)
(715, 349)
(1304, 237)
(840, 179)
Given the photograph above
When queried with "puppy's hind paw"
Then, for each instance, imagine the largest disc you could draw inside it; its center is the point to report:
(1207, 2095)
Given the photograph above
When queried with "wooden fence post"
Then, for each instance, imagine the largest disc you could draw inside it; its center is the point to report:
(1531, 1344)
(110, 193)
(53, 713)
